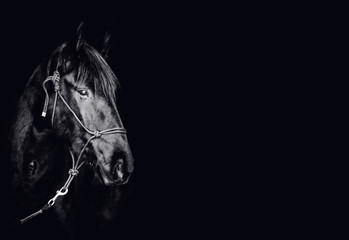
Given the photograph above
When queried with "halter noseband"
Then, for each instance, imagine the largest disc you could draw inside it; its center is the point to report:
(74, 171)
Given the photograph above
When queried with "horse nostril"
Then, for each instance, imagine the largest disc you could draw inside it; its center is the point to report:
(117, 172)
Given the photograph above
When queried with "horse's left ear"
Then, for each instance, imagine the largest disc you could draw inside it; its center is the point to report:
(79, 36)
(106, 44)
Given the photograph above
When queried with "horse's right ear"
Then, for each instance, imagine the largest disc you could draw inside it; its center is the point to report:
(79, 36)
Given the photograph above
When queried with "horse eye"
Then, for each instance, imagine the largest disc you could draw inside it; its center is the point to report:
(83, 92)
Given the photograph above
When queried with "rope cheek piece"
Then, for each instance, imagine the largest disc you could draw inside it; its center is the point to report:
(74, 171)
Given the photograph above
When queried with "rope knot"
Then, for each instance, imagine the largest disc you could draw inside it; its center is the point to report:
(55, 80)
(97, 134)
(56, 86)
(73, 172)
(55, 76)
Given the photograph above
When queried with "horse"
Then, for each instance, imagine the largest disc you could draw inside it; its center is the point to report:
(69, 150)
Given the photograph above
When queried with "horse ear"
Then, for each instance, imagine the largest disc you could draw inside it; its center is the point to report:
(106, 44)
(79, 36)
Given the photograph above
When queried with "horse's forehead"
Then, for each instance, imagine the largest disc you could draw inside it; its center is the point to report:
(70, 77)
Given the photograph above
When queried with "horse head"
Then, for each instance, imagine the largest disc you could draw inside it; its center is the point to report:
(81, 104)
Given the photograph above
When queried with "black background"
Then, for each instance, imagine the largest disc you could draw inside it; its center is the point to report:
(167, 58)
(218, 103)
(209, 96)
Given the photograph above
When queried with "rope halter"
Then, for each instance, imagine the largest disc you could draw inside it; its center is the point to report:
(55, 79)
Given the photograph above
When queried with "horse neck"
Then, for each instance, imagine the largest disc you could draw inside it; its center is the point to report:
(31, 138)
(30, 144)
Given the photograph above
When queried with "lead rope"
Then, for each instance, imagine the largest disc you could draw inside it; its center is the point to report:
(74, 171)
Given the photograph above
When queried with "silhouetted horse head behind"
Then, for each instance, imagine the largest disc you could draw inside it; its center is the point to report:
(68, 127)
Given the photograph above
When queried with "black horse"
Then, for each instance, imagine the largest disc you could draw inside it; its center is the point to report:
(69, 150)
